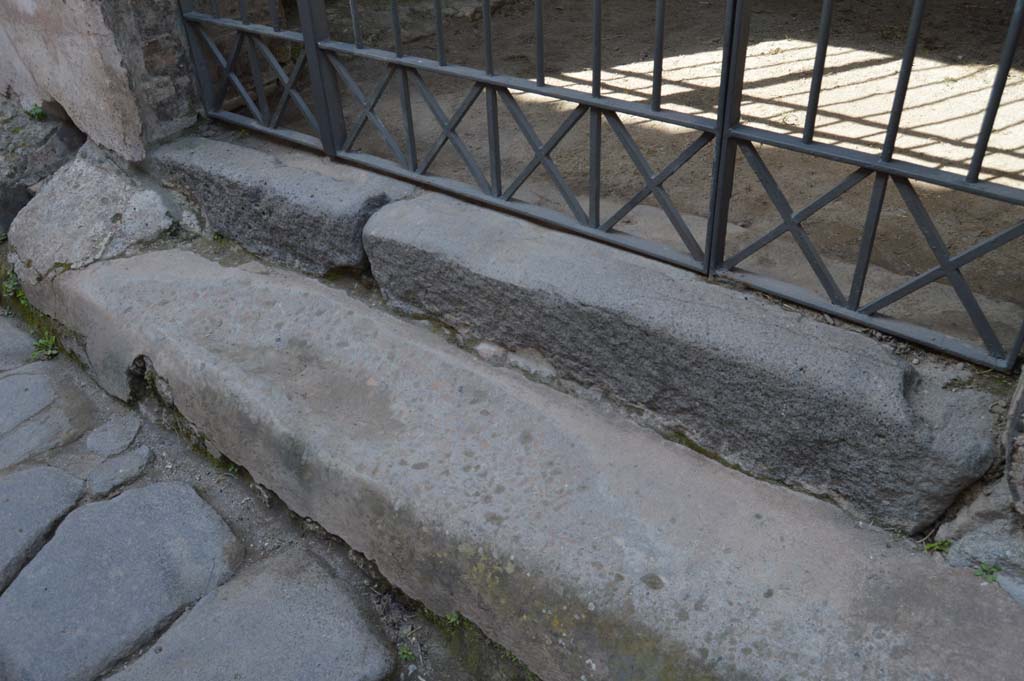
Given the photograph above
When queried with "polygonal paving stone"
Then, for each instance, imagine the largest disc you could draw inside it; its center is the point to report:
(23, 396)
(114, 573)
(31, 501)
(114, 436)
(118, 470)
(290, 618)
(15, 346)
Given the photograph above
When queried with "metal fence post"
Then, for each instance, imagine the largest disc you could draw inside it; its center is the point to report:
(202, 68)
(734, 58)
(326, 98)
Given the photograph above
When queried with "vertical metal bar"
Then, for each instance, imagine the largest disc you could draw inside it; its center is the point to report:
(493, 140)
(734, 60)
(996, 95)
(403, 92)
(275, 15)
(396, 27)
(326, 98)
(439, 30)
(410, 129)
(595, 119)
(202, 67)
(243, 11)
(903, 82)
(488, 42)
(824, 30)
(357, 31)
(538, 33)
(659, 53)
(217, 12)
(867, 240)
(256, 73)
(595, 51)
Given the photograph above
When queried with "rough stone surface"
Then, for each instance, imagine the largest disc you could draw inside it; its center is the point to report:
(90, 210)
(31, 503)
(999, 542)
(276, 202)
(15, 348)
(288, 619)
(23, 396)
(30, 151)
(774, 391)
(117, 471)
(39, 417)
(113, 574)
(114, 436)
(993, 502)
(1013, 445)
(71, 56)
(584, 543)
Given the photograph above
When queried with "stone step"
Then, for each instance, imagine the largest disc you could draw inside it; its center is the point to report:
(590, 547)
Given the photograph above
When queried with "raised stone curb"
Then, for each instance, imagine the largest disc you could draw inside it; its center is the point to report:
(289, 618)
(303, 212)
(31, 502)
(589, 546)
(114, 573)
(774, 391)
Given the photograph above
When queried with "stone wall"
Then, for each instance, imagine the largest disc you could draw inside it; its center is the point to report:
(118, 68)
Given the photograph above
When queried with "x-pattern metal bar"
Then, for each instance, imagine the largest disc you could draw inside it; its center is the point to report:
(288, 82)
(448, 132)
(848, 183)
(949, 270)
(368, 106)
(785, 211)
(544, 157)
(228, 66)
(934, 274)
(653, 183)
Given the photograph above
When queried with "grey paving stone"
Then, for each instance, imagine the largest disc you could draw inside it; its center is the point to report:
(15, 346)
(22, 396)
(58, 410)
(118, 470)
(114, 573)
(114, 436)
(287, 619)
(31, 501)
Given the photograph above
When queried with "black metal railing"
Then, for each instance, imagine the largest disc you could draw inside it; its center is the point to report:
(219, 34)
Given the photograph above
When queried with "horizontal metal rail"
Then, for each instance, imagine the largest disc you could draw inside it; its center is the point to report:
(335, 132)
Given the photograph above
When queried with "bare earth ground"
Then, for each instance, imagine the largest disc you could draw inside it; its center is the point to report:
(949, 89)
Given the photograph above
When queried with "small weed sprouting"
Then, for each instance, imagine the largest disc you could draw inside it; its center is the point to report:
(941, 546)
(46, 347)
(987, 572)
(405, 653)
(10, 287)
(36, 113)
(452, 620)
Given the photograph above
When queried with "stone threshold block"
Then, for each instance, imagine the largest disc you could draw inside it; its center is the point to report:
(284, 204)
(774, 391)
(589, 546)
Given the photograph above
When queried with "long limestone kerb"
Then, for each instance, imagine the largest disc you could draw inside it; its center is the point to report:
(586, 544)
